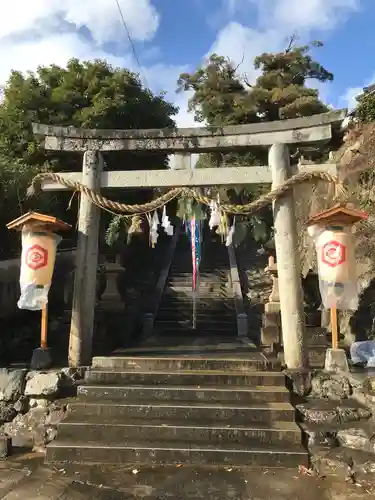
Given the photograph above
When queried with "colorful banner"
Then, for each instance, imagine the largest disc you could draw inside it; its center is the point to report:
(194, 232)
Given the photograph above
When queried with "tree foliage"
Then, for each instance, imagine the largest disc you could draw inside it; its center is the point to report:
(365, 110)
(222, 96)
(84, 94)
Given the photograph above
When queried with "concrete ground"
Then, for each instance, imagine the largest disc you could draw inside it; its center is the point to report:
(26, 478)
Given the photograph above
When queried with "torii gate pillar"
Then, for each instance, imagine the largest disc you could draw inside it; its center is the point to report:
(84, 294)
(288, 263)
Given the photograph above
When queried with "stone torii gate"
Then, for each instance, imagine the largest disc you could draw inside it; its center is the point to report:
(182, 143)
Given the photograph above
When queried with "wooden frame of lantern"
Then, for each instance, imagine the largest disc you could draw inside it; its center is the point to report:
(41, 227)
(335, 220)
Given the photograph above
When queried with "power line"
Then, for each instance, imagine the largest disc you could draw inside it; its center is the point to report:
(131, 42)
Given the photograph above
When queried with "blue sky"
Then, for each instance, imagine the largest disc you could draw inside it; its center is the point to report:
(172, 36)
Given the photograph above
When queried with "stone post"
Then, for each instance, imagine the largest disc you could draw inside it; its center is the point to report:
(288, 264)
(84, 293)
(270, 333)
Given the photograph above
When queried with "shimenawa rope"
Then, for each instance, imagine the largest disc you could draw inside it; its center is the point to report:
(255, 206)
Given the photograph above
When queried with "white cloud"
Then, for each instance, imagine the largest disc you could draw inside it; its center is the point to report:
(307, 15)
(276, 21)
(55, 49)
(185, 119)
(44, 32)
(101, 17)
(241, 44)
(348, 99)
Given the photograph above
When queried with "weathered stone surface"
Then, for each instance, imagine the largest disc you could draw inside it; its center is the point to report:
(22, 428)
(21, 405)
(12, 383)
(299, 381)
(55, 414)
(317, 415)
(43, 384)
(318, 411)
(73, 374)
(355, 437)
(336, 361)
(343, 462)
(331, 461)
(358, 381)
(7, 412)
(320, 435)
(370, 400)
(331, 386)
(36, 428)
(38, 402)
(353, 413)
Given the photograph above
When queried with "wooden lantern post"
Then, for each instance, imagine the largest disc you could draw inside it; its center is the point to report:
(336, 256)
(38, 255)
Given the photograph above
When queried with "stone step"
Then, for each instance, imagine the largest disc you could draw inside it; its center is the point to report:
(216, 297)
(185, 304)
(202, 315)
(203, 303)
(197, 378)
(203, 276)
(184, 394)
(190, 335)
(185, 268)
(119, 432)
(186, 307)
(176, 454)
(205, 289)
(232, 414)
(202, 327)
(213, 280)
(201, 366)
(220, 305)
(208, 326)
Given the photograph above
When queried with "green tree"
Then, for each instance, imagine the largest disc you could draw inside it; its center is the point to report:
(84, 94)
(222, 96)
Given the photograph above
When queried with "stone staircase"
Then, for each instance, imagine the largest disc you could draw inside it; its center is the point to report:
(215, 309)
(189, 410)
(191, 397)
(138, 284)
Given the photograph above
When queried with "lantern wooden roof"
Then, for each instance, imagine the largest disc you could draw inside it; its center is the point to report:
(39, 221)
(338, 214)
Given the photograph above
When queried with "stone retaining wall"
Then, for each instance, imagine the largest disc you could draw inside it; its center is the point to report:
(32, 403)
(337, 415)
